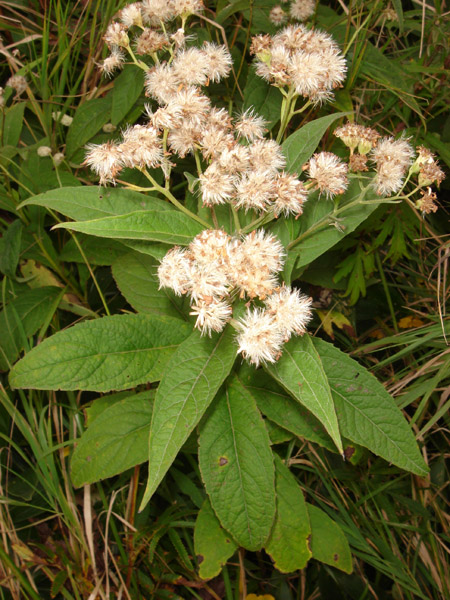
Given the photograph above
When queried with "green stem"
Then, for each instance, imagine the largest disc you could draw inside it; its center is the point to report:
(386, 290)
(237, 223)
(198, 162)
(263, 220)
(138, 63)
(165, 192)
(287, 110)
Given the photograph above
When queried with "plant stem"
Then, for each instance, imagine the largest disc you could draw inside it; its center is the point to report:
(165, 192)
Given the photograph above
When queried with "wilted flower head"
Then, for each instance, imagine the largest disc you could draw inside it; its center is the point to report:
(218, 61)
(141, 147)
(302, 9)
(259, 339)
(116, 35)
(187, 7)
(426, 204)
(329, 173)
(354, 136)
(18, 83)
(291, 311)
(277, 15)
(250, 125)
(150, 41)
(131, 15)
(105, 160)
(392, 157)
(112, 62)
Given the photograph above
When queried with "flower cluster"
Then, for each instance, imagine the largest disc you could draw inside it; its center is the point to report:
(307, 61)
(216, 268)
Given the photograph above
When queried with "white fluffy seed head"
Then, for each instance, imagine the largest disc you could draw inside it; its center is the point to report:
(105, 160)
(161, 83)
(291, 311)
(259, 339)
(212, 315)
(174, 270)
(290, 195)
(302, 9)
(255, 190)
(329, 173)
(266, 155)
(250, 126)
(216, 185)
(218, 61)
(190, 67)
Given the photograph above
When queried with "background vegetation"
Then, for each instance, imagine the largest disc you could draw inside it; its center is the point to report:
(380, 295)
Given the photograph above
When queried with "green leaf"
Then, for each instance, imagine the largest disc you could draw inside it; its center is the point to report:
(12, 124)
(367, 414)
(84, 203)
(281, 408)
(95, 408)
(288, 543)
(127, 89)
(88, 120)
(9, 257)
(115, 442)
(301, 145)
(264, 98)
(300, 372)
(194, 374)
(328, 542)
(213, 545)
(98, 251)
(137, 279)
(20, 319)
(277, 434)
(399, 10)
(314, 239)
(237, 466)
(170, 227)
(111, 353)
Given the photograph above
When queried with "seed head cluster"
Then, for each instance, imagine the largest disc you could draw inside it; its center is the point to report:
(216, 268)
(308, 61)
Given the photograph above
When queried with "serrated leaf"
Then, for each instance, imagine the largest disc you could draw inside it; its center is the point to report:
(84, 203)
(168, 226)
(127, 89)
(367, 414)
(88, 120)
(301, 145)
(213, 545)
(300, 372)
(328, 542)
(315, 241)
(111, 353)
(20, 318)
(288, 543)
(115, 442)
(194, 374)
(236, 464)
(278, 405)
(137, 279)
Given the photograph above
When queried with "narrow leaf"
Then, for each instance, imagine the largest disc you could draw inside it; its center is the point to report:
(213, 545)
(367, 414)
(137, 279)
(279, 406)
(328, 542)
(88, 120)
(301, 145)
(84, 203)
(288, 543)
(9, 257)
(115, 442)
(237, 466)
(194, 374)
(112, 353)
(300, 372)
(127, 89)
(168, 226)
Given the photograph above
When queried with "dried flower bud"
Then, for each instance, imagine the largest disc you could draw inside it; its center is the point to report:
(18, 83)
(150, 41)
(277, 15)
(44, 151)
(426, 204)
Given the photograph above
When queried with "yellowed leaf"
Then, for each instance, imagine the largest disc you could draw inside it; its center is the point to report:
(409, 322)
(333, 317)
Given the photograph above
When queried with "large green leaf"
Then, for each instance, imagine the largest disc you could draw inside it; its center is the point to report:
(279, 406)
(168, 226)
(88, 120)
(194, 374)
(137, 279)
(367, 414)
(319, 230)
(112, 353)
(127, 89)
(328, 542)
(264, 98)
(9, 257)
(288, 544)
(20, 319)
(237, 466)
(98, 251)
(300, 372)
(301, 145)
(11, 124)
(89, 202)
(213, 545)
(116, 441)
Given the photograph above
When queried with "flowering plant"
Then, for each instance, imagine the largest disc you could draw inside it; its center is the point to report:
(226, 246)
